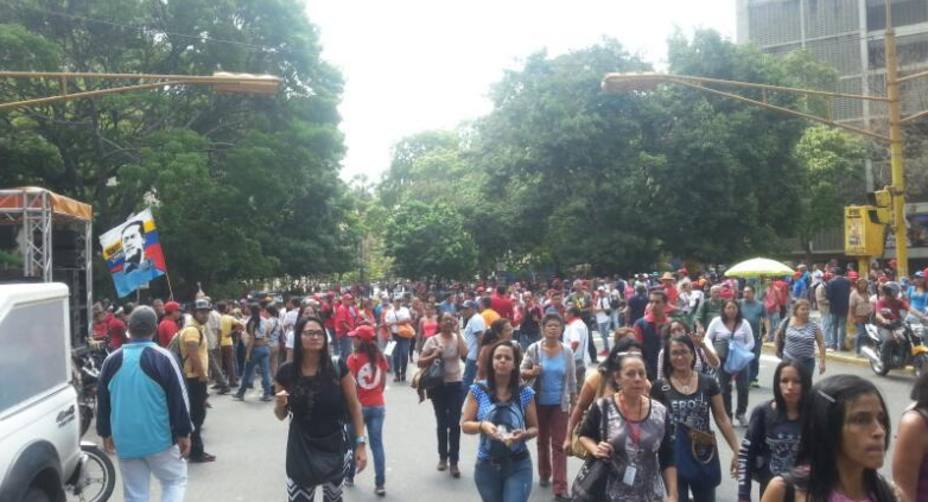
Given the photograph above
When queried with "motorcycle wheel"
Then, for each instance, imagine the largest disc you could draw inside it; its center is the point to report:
(98, 477)
(879, 367)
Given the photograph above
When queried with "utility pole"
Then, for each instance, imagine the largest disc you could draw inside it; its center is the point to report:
(897, 187)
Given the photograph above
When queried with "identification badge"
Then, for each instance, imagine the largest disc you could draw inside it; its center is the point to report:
(629, 478)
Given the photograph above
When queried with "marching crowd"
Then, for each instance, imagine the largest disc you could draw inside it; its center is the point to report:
(517, 362)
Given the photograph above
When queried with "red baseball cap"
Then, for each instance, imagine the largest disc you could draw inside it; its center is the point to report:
(171, 307)
(364, 332)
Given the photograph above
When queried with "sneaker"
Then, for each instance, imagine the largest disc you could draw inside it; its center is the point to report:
(829, 349)
(223, 391)
(380, 491)
(455, 472)
(543, 483)
(267, 398)
(755, 384)
(238, 397)
(442, 465)
(742, 421)
(203, 458)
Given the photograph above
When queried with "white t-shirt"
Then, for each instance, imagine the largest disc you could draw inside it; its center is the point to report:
(576, 332)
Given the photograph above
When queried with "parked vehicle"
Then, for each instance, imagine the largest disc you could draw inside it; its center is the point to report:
(42, 457)
(908, 348)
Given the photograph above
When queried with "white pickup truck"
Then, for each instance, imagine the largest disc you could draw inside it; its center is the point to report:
(41, 458)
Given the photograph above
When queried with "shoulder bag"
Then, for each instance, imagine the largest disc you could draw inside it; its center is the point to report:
(738, 357)
(697, 456)
(576, 448)
(590, 483)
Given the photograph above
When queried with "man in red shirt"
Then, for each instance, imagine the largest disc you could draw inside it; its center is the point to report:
(501, 303)
(346, 316)
(167, 328)
(116, 328)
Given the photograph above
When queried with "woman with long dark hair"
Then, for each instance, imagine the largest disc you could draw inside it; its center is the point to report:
(772, 440)
(910, 458)
(846, 426)
(730, 327)
(707, 362)
(692, 397)
(257, 353)
(318, 392)
(500, 329)
(369, 367)
(503, 412)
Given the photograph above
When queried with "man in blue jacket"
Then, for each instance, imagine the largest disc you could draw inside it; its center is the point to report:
(839, 294)
(144, 414)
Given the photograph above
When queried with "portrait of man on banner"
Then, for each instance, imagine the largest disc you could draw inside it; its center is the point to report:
(133, 253)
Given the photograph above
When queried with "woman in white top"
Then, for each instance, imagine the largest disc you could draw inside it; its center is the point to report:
(730, 328)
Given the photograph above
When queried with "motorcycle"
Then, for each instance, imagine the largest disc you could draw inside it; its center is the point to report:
(908, 348)
(95, 480)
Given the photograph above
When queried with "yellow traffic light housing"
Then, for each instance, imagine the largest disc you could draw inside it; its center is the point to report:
(881, 206)
(862, 235)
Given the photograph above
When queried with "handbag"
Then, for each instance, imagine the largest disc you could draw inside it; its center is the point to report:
(433, 376)
(590, 483)
(314, 461)
(576, 448)
(738, 357)
(697, 458)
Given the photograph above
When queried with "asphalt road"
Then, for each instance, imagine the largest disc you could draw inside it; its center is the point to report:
(249, 443)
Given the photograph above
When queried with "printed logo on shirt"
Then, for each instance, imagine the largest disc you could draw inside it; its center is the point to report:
(369, 377)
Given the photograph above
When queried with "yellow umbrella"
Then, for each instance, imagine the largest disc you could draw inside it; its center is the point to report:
(758, 267)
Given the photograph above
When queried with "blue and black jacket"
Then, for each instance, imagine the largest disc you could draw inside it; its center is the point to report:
(141, 400)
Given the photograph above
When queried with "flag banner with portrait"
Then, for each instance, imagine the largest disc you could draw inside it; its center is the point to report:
(133, 253)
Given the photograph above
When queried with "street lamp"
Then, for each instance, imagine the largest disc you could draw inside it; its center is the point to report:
(625, 82)
(239, 83)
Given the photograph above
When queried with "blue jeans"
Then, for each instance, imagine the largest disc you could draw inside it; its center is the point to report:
(344, 347)
(604, 332)
(400, 356)
(495, 485)
(700, 493)
(838, 327)
(755, 364)
(826, 329)
(470, 373)
(373, 418)
(861, 339)
(260, 356)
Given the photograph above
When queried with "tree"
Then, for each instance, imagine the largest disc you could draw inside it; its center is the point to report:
(429, 241)
(832, 162)
(243, 187)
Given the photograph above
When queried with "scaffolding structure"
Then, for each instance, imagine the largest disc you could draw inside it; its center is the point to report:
(54, 239)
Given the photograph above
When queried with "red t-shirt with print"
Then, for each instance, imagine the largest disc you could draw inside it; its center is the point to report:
(370, 378)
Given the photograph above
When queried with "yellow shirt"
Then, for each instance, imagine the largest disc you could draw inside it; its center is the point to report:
(225, 330)
(489, 315)
(196, 333)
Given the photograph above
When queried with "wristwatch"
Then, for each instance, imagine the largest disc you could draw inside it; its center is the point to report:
(360, 440)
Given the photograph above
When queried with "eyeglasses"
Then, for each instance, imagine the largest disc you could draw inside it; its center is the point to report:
(679, 353)
(313, 332)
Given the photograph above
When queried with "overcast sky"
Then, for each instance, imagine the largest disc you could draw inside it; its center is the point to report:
(414, 65)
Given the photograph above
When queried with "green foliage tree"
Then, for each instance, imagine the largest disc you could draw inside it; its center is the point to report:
(831, 178)
(429, 241)
(243, 187)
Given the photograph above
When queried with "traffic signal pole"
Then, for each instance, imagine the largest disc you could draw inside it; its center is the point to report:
(895, 148)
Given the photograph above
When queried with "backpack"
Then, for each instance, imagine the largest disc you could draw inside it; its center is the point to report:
(174, 347)
(507, 417)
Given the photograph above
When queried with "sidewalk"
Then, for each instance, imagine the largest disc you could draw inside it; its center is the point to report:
(841, 357)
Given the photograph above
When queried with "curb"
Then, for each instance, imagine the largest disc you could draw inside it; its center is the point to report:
(829, 356)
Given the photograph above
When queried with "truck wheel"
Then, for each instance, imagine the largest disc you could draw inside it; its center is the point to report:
(36, 494)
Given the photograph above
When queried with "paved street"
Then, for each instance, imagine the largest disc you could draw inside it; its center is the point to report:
(250, 445)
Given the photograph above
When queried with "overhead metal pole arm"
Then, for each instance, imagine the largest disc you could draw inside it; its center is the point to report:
(222, 82)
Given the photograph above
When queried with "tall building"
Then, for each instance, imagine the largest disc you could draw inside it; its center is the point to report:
(848, 35)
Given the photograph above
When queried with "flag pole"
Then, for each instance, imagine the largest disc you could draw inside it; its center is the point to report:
(167, 275)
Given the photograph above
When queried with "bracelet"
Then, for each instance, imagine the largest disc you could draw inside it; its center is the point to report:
(360, 440)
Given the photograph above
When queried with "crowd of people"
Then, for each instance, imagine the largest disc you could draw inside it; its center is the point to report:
(518, 362)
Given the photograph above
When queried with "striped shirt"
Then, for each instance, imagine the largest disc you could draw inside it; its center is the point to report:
(800, 341)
